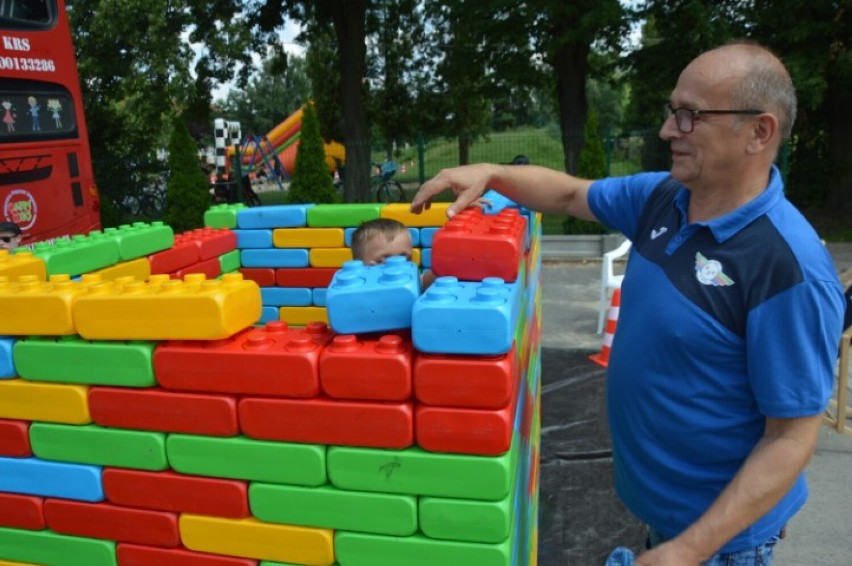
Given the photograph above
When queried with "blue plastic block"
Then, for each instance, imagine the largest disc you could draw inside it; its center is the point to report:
(460, 317)
(279, 216)
(253, 239)
(7, 364)
(319, 297)
(286, 296)
(426, 257)
(496, 202)
(426, 235)
(415, 236)
(372, 298)
(274, 257)
(33, 476)
(268, 314)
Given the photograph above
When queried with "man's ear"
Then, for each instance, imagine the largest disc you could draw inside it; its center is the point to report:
(763, 133)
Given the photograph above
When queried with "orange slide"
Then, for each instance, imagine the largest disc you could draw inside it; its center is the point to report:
(284, 139)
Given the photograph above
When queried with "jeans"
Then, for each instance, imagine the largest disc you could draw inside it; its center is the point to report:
(760, 555)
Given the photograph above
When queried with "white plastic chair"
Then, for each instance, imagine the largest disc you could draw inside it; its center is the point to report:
(609, 280)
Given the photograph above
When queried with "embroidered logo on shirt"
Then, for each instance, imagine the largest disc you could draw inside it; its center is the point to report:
(709, 272)
(657, 233)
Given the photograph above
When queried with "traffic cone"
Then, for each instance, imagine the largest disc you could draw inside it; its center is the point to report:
(602, 358)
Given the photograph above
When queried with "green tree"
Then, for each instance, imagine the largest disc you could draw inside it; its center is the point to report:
(592, 165)
(312, 183)
(187, 195)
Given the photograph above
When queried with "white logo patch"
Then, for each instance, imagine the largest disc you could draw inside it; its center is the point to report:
(657, 233)
(709, 272)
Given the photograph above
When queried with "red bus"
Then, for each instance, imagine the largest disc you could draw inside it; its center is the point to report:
(46, 182)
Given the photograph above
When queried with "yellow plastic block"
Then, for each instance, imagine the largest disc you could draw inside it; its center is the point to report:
(7, 563)
(308, 238)
(32, 306)
(21, 263)
(435, 216)
(168, 309)
(415, 256)
(329, 257)
(251, 538)
(301, 316)
(139, 269)
(49, 402)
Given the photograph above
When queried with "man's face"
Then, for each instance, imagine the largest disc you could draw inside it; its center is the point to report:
(378, 248)
(9, 241)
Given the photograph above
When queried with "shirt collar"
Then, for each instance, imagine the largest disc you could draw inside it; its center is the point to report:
(728, 225)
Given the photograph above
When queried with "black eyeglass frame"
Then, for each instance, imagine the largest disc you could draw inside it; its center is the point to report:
(694, 112)
(7, 239)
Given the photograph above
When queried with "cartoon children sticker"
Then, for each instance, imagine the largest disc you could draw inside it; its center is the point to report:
(55, 108)
(9, 115)
(35, 107)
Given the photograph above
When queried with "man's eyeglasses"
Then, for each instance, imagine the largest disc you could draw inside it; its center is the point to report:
(685, 117)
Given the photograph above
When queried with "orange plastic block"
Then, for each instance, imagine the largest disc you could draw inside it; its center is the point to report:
(33, 306)
(367, 368)
(184, 252)
(210, 268)
(465, 431)
(304, 276)
(165, 309)
(106, 521)
(473, 245)
(166, 411)
(22, 512)
(435, 216)
(169, 491)
(476, 382)
(21, 263)
(15, 439)
(263, 276)
(139, 269)
(308, 238)
(323, 421)
(137, 555)
(272, 360)
(211, 242)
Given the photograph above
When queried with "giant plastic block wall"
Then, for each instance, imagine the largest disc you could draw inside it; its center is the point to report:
(179, 427)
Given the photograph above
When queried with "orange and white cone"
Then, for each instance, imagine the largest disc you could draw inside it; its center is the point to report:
(602, 358)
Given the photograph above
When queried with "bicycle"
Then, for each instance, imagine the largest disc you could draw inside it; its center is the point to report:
(387, 189)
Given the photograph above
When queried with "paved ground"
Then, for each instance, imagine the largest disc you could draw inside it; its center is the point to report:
(581, 518)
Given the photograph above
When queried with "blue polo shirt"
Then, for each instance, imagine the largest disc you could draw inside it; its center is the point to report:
(722, 324)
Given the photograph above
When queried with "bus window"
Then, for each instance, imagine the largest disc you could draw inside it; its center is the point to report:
(26, 12)
(32, 111)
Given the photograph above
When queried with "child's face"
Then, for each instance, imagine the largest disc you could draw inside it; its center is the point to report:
(378, 248)
(9, 241)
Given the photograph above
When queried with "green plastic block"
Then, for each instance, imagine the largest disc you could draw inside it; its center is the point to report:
(417, 472)
(342, 215)
(230, 261)
(244, 458)
(470, 520)
(141, 239)
(357, 549)
(92, 444)
(70, 359)
(270, 563)
(331, 508)
(47, 547)
(222, 215)
(79, 254)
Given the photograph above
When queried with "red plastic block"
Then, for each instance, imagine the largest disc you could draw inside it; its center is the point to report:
(465, 431)
(211, 268)
(475, 382)
(473, 245)
(136, 555)
(15, 438)
(106, 521)
(369, 368)
(323, 421)
(263, 276)
(169, 491)
(270, 360)
(167, 411)
(211, 242)
(22, 512)
(304, 276)
(181, 254)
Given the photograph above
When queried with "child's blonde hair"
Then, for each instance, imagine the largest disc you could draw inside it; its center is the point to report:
(386, 227)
